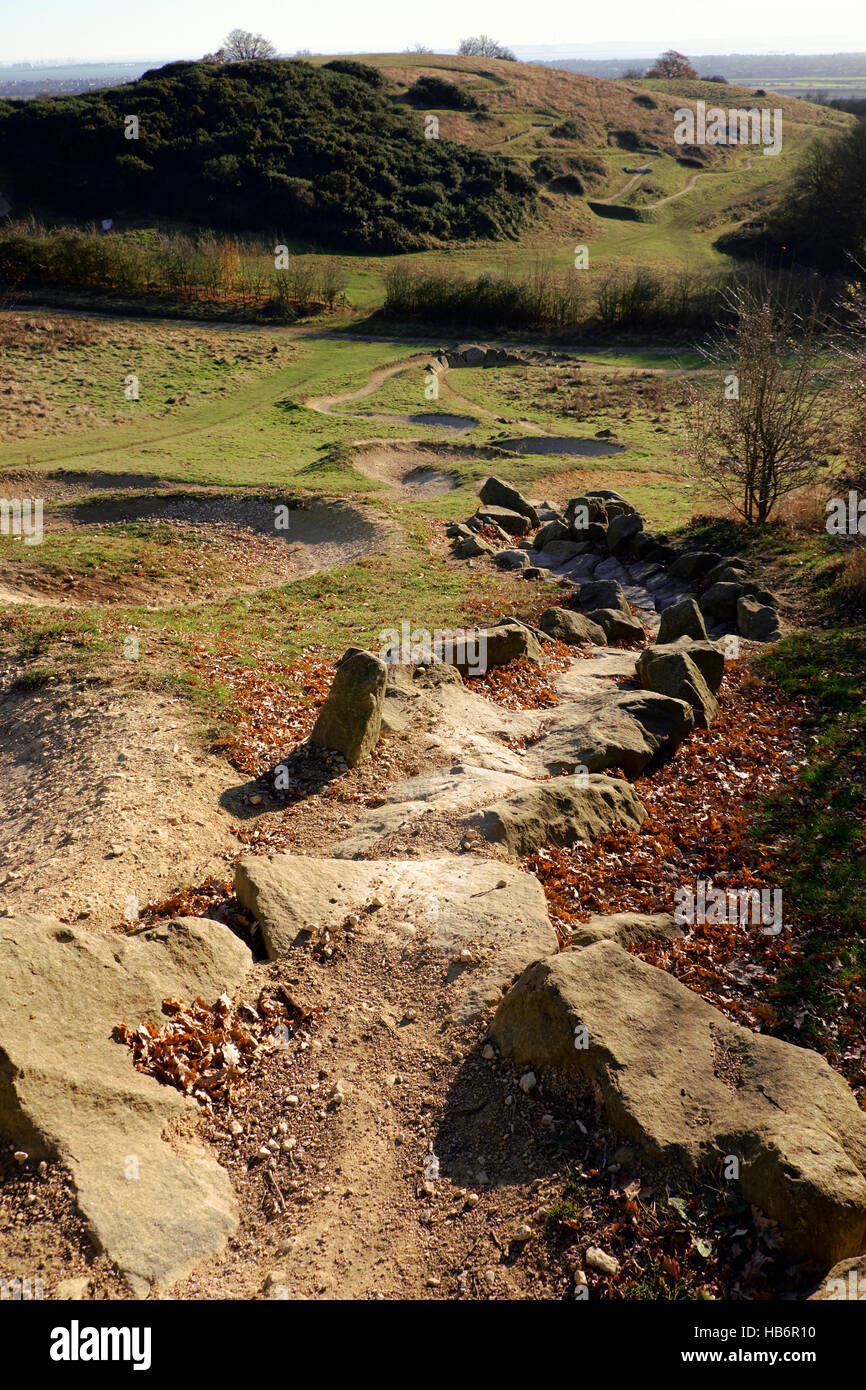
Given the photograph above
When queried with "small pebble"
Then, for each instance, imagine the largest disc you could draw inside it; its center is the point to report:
(601, 1261)
(528, 1082)
(488, 1052)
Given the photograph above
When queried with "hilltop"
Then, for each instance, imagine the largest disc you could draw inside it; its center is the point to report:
(261, 145)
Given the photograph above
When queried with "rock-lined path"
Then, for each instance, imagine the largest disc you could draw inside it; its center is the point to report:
(429, 879)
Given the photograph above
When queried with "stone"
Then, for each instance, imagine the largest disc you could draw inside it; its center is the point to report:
(621, 531)
(626, 929)
(594, 534)
(625, 730)
(564, 625)
(350, 720)
(692, 1089)
(511, 560)
(503, 642)
(496, 493)
(846, 1282)
(456, 531)
(448, 904)
(72, 1290)
(600, 1261)
(707, 656)
(154, 1200)
(513, 523)
(563, 551)
(674, 673)
(719, 571)
(720, 601)
(618, 626)
(756, 622)
(602, 593)
(683, 619)
(693, 564)
(559, 813)
(594, 508)
(553, 531)
(469, 548)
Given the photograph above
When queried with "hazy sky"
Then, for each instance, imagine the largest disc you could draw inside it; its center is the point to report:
(104, 29)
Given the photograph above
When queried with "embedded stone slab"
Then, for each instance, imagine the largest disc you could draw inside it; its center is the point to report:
(695, 1089)
(457, 902)
(67, 1090)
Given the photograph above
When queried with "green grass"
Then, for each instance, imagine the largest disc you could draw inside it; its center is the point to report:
(823, 826)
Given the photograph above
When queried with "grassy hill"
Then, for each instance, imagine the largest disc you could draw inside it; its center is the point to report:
(259, 145)
(539, 161)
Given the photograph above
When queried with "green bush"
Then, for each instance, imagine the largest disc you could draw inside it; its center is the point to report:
(272, 147)
(435, 92)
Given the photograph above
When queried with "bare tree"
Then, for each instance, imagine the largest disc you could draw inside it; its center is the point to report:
(672, 64)
(419, 48)
(633, 75)
(762, 427)
(483, 46)
(241, 45)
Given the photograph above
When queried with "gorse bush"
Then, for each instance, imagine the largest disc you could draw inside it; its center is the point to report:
(261, 146)
(210, 268)
(446, 96)
(633, 298)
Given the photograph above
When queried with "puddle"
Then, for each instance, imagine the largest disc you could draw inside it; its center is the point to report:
(448, 422)
(564, 444)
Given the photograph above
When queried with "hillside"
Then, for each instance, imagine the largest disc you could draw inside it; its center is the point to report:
(279, 145)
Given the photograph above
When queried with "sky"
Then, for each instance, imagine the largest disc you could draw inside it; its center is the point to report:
(163, 29)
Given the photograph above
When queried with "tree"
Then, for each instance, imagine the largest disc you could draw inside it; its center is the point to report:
(672, 64)
(241, 45)
(762, 431)
(633, 75)
(484, 47)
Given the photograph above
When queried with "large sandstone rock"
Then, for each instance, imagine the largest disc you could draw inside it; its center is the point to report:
(846, 1283)
(673, 672)
(559, 812)
(626, 929)
(496, 646)
(456, 790)
(621, 530)
(514, 523)
(496, 493)
(602, 593)
(553, 531)
(757, 622)
(566, 626)
(693, 564)
(155, 1205)
(587, 510)
(707, 656)
(719, 601)
(692, 1088)
(617, 625)
(683, 619)
(511, 560)
(625, 729)
(450, 903)
(350, 720)
(724, 570)
(468, 549)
